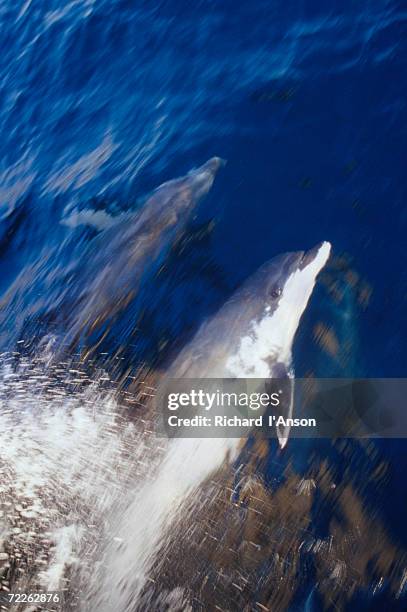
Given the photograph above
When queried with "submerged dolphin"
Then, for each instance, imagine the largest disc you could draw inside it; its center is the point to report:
(114, 263)
(250, 336)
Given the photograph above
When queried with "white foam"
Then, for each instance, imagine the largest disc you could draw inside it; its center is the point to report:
(65, 456)
(99, 219)
(67, 540)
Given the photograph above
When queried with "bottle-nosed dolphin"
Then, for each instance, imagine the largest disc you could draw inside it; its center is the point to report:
(115, 261)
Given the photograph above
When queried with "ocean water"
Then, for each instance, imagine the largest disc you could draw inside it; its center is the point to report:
(104, 100)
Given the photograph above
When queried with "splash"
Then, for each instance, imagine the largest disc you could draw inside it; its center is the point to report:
(68, 457)
(86, 495)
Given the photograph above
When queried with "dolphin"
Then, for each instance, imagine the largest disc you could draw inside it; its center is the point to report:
(114, 263)
(253, 333)
(251, 336)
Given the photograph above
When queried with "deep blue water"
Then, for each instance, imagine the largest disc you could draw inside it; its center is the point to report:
(104, 100)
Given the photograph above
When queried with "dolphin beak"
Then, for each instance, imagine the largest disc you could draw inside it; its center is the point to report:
(212, 165)
(202, 178)
(321, 250)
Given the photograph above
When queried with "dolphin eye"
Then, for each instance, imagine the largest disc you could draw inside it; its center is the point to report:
(275, 292)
